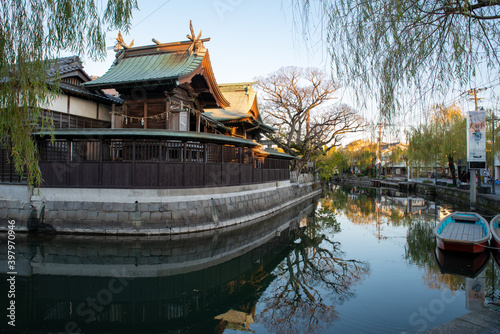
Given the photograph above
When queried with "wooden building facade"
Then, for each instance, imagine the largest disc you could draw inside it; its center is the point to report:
(172, 126)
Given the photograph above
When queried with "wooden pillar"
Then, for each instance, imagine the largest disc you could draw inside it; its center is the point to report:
(145, 115)
(113, 117)
(132, 176)
(125, 112)
(167, 110)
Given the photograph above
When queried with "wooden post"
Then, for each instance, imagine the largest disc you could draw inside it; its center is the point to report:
(101, 157)
(125, 112)
(167, 110)
(145, 126)
(113, 117)
(132, 178)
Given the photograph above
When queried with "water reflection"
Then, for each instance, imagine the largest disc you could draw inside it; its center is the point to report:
(312, 279)
(475, 276)
(321, 267)
(202, 282)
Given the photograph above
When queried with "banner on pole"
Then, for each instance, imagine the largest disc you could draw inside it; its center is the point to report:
(476, 139)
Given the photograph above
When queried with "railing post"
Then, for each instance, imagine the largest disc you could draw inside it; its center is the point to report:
(68, 161)
(132, 174)
(184, 155)
(221, 164)
(205, 158)
(160, 163)
(101, 158)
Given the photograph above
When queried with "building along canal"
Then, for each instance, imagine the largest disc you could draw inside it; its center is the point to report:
(355, 260)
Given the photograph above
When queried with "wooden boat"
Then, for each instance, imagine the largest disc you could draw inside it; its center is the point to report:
(495, 234)
(466, 232)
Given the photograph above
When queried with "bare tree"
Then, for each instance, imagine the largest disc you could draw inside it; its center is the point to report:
(299, 103)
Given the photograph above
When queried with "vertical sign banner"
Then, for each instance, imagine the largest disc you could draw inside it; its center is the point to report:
(476, 139)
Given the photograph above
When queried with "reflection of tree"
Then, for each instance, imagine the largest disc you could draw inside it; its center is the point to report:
(312, 270)
(420, 244)
(419, 250)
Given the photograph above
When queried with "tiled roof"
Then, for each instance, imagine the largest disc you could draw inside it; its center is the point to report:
(144, 68)
(64, 66)
(243, 106)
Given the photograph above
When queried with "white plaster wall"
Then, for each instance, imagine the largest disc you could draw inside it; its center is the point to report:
(104, 112)
(60, 104)
(82, 107)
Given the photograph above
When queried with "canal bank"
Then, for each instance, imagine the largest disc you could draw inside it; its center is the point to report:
(477, 322)
(149, 211)
(443, 192)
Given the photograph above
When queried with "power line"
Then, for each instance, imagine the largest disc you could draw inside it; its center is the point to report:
(154, 11)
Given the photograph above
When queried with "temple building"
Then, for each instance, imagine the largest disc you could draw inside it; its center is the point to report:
(171, 125)
(153, 146)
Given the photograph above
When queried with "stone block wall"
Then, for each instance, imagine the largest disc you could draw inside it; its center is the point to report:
(182, 215)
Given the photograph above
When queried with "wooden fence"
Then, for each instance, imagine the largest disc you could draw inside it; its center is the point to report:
(122, 163)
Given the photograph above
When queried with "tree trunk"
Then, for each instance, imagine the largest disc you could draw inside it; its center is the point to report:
(451, 165)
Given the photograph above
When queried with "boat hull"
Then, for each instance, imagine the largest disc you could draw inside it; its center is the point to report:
(461, 247)
(465, 232)
(495, 237)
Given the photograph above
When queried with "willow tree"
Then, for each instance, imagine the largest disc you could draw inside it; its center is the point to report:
(386, 48)
(298, 102)
(442, 140)
(32, 34)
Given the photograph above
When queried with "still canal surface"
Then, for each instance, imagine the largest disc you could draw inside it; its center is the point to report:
(352, 261)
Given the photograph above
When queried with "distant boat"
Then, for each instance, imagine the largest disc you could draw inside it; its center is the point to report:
(495, 235)
(466, 232)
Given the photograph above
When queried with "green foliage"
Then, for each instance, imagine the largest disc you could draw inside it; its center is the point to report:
(443, 139)
(385, 48)
(32, 33)
(334, 162)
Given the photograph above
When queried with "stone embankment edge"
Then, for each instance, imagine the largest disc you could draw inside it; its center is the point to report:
(484, 202)
(185, 215)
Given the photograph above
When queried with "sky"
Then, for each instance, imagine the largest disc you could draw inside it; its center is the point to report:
(248, 38)
(255, 38)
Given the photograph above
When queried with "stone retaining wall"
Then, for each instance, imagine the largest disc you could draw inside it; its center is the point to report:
(162, 215)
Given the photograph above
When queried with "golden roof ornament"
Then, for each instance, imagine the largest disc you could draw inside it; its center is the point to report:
(196, 43)
(120, 43)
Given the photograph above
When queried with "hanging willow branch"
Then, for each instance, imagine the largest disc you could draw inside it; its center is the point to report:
(32, 34)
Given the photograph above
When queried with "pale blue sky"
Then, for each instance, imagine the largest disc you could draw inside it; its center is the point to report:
(250, 39)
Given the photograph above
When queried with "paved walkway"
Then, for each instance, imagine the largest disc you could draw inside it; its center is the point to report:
(477, 322)
(497, 186)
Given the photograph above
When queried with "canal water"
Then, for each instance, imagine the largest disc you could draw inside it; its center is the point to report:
(352, 261)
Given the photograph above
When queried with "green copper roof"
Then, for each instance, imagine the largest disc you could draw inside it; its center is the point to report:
(153, 68)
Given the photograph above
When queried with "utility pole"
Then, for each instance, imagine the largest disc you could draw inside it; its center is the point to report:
(474, 92)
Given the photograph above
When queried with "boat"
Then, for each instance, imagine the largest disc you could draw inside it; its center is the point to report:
(465, 232)
(495, 237)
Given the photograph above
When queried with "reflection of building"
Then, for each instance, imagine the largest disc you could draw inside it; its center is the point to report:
(125, 284)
